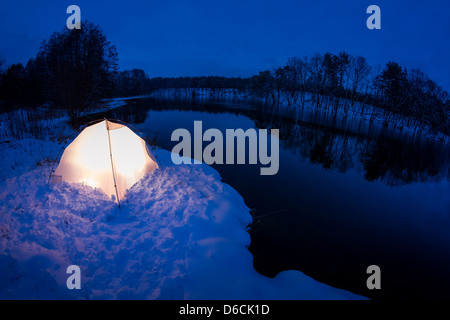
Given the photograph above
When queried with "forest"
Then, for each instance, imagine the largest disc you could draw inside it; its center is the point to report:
(75, 69)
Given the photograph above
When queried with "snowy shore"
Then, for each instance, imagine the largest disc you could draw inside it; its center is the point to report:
(180, 234)
(345, 109)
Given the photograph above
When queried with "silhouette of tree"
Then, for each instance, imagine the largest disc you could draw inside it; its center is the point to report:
(131, 83)
(392, 83)
(14, 86)
(79, 66)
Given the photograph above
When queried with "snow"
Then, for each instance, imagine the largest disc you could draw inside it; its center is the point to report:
(180, 234)
(27, 142)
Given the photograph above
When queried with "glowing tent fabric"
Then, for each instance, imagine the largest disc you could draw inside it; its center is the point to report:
(106, 155)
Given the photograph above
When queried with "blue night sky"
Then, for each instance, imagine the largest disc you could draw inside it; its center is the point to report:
(240, 37)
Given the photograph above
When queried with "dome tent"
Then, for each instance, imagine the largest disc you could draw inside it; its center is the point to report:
(106, 155)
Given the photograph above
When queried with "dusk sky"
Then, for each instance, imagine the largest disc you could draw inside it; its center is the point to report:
(240, 37)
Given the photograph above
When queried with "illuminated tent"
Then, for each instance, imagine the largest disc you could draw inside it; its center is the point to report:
(106, 155)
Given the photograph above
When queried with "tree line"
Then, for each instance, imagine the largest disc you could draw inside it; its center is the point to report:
(75, 69)
(339, 82)
(343, 80)
(72, 70)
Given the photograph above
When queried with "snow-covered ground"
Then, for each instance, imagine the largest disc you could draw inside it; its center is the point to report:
(27, 142)
(181, 233)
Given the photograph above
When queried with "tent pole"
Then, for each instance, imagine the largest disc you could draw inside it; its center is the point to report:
(112, 163)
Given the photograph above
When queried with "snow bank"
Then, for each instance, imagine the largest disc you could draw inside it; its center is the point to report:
(28, 140)
(20, 156)
(180, 234)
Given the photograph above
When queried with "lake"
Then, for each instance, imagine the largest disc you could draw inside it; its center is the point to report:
(348, 194)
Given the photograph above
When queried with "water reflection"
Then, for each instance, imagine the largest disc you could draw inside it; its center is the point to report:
(335, 142)
(331, 211)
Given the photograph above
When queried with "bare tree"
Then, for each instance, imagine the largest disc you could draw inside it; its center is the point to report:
(358, 73)
(79, 65)
(317, 79)
(299, 66)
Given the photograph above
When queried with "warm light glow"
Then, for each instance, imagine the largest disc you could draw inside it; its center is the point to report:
(87, 159)
(90, 182)
(127, 163)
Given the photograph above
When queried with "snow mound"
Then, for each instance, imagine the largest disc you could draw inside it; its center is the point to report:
(180, 234)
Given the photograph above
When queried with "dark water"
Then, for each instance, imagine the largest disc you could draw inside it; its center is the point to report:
(348, 194)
